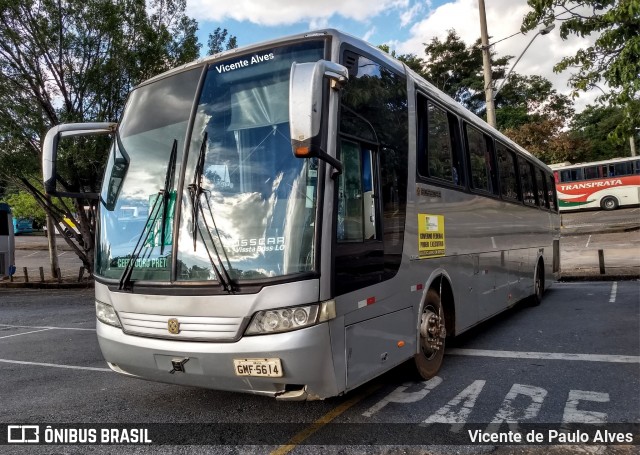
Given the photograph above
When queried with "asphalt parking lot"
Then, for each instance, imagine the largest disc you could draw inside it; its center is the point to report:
(575, 358)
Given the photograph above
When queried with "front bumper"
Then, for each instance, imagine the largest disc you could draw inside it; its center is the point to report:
(305, 355)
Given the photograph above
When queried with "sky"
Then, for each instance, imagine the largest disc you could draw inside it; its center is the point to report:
(405, 25)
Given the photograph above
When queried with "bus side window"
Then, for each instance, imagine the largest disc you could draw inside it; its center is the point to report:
(622, 169)
(551, 190)
(483, 175)
(438, 156)
(541, 186)
(591, 172)
(508, 173)
(356, 206)
(526, 180)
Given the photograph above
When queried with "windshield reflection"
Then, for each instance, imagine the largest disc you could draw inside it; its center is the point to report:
(261, 199)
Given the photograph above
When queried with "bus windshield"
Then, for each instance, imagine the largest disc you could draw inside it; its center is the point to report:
(247, 206)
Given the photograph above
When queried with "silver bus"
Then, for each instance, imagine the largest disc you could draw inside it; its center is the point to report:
(310, 214)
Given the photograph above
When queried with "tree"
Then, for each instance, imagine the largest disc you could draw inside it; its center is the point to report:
(74, 61)
(532, 113)
(219, 42)
(411, 60)
(614, 58)
(456, 69)
(594, 126)
(23, 205)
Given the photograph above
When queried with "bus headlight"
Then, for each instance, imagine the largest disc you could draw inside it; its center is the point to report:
(292, 318)
(106, 314)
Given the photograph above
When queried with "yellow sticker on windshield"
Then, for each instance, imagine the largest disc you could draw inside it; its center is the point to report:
(430, 236)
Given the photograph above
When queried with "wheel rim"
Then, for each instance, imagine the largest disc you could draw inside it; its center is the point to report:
(609, 203)
(430, 332)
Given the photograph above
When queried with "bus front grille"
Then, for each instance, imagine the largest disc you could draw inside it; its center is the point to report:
(192, 328)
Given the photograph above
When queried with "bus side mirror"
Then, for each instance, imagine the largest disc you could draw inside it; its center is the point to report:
(305, 106)
(50, 150)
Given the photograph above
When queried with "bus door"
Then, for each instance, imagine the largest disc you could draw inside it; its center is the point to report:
(359, 253)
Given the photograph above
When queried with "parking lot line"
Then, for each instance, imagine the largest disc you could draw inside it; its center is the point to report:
(546, 355)
(614, 291)
(324, 420)
(24, 333)
(45, 327)
(71, 367)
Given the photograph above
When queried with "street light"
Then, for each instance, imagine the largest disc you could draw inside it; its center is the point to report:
(543, 31)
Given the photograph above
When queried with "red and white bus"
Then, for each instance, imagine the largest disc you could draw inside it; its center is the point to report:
(607, 184)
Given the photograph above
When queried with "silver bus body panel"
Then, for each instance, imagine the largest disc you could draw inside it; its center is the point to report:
(492, 248)
(305, 355)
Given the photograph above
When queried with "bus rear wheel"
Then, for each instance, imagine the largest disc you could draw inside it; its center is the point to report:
(538, 285)
(609, 203)
(432, 336)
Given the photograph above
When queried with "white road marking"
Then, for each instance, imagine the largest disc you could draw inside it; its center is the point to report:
(574, 415)
(546, 355)
(71, 367)
(493, 242)
(614, 291)
(45, 327)
(399, 395)
(589, 240)
(511, 413)
(23, 333)
(64, 252)
(32, 254)
(465, 400)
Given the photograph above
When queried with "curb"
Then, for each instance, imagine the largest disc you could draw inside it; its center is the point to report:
(590, 230)
(47, 285)
(579, 278)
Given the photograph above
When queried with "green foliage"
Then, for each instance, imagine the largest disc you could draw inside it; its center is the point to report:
(594, 126)
(456, 69)
(76, 61)
(533, 114)
(411, 60)
(528, 109)
(23, 205)
(614, 58)
(220, 40)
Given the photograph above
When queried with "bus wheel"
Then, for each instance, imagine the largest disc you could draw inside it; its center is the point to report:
(538, 285)
(432, 335)
(609, 203)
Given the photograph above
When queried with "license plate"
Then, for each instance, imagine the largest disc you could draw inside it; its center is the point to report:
(268, 368)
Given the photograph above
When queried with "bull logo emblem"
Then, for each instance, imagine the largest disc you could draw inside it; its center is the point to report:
(173, 325)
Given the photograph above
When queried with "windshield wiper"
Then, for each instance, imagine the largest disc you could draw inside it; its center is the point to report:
(163, 196)
(196, 192)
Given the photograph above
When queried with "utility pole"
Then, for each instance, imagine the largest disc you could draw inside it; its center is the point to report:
(486, 65)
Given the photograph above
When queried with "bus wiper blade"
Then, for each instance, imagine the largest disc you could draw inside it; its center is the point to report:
(196, 188)
(152, 218)
(196, 193)
(166, 193)
(125, 278)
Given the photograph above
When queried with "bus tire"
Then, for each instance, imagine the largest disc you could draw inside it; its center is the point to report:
(609, 203)
(538, 285)
(432, 336)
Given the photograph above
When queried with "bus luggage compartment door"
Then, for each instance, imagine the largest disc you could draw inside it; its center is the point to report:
(376, 345)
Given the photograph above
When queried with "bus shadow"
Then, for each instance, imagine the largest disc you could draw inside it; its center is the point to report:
(406, 372)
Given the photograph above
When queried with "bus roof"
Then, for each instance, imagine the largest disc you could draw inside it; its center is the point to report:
(392, 62)
(593, 163)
